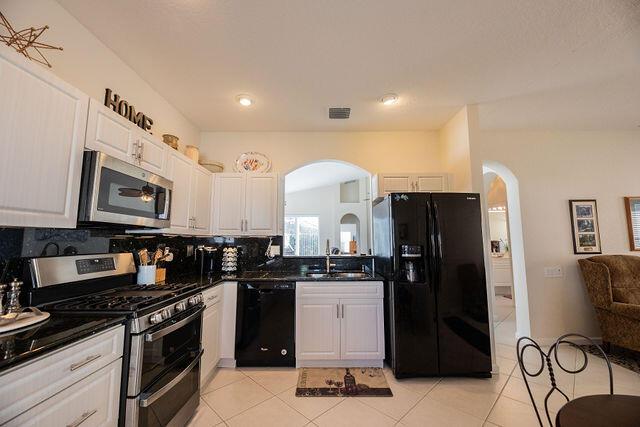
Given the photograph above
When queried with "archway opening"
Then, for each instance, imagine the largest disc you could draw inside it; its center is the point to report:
(508, 270)
(327, 205)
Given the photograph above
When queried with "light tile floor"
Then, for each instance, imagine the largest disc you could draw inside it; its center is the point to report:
(266, 397)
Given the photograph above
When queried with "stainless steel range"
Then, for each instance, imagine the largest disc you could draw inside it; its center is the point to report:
(162, 386)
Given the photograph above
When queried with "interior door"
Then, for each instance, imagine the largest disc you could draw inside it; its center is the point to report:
(153, 153)
(180, 173)
(42, 130)
(202, 213)
(109, 133)
(361, 329)
(461, 291)
(319, 319)
(261, 204)
(229, 196)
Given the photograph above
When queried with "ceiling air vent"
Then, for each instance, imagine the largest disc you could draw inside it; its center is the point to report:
(339, 112)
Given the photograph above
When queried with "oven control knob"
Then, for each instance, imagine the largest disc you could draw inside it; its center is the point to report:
(192, 301)
(155, 318)
(166, 313)
(199, 298)
(181, 306)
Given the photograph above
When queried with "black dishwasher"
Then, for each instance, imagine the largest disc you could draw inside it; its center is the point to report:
(265, 324)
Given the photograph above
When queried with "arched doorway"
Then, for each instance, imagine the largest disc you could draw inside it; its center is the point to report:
(513, 228)
(324, 201)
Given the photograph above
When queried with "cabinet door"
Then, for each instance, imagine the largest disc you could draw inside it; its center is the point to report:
(153, 153)
(93, 401)
(42, 126)
(394, 183)
(228, 328)
(428, 183)
(361, 329)
(210, 340)
(180, 171)
(261, 204)
(110, 133)
(317, 328)
(229, 204)
(202, 213)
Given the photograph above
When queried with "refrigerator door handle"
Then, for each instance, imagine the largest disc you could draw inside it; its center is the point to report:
(437, 245)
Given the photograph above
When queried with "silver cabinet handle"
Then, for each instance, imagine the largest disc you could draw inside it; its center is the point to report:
(162, 332)
(213, 298)
(337, 311)
(84, 417)
(246, 225)
(141, 145)
(242, 225)
(135, 151)
(343, 311)
(89, 359)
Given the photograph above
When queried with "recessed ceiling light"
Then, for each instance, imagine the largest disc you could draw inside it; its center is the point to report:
(244, 100)
(389, 99)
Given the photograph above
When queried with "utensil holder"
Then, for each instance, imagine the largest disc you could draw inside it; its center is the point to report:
(146, 274)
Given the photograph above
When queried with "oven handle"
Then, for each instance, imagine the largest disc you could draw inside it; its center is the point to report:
(146, 400)
(164, 331)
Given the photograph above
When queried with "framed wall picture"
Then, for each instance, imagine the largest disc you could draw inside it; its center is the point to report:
(633, 221)
(585, 227)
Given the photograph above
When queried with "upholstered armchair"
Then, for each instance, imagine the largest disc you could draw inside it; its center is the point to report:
(613, 284)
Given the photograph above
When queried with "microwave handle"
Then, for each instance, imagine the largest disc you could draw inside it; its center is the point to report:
(167, 204)
(164, 331)
(146, 400)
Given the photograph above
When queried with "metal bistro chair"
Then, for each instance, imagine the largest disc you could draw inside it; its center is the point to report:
(526, 343)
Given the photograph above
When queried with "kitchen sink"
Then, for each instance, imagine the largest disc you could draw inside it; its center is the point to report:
(340, 275)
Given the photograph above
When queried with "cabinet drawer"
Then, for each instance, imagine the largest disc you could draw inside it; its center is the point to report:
(27, 385)
(212, 295)
(339, 289)
(90, 402)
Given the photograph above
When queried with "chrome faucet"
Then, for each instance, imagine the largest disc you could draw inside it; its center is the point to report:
(328, 251)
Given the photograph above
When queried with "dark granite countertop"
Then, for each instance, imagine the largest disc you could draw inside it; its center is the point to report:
(57, 331)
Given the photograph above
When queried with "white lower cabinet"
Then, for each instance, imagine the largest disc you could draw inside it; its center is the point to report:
(211, 323)
(339, 324)
(80, 381)
(94, 401)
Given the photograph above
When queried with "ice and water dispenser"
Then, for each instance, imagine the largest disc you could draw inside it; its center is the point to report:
(412, 263)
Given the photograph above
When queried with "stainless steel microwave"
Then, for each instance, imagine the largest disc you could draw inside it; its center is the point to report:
(116, 192)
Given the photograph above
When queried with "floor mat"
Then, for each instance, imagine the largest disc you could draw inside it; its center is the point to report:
(316, 382)
(620, 356)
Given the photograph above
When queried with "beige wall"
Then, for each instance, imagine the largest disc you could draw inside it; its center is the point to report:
(454, 141)
(552, 167)
(373, 151)
(89, 65)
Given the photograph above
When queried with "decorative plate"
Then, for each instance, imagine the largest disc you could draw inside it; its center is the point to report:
(252, 161)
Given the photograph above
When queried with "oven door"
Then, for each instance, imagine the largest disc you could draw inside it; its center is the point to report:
(117, 192)
(164, 373)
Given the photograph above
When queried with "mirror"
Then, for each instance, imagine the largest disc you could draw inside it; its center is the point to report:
(327, 200)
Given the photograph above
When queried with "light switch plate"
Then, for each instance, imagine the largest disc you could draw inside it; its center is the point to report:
(555, 271)
(275, 250)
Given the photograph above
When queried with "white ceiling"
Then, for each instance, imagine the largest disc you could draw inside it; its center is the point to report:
(541, 64)
(321, 174)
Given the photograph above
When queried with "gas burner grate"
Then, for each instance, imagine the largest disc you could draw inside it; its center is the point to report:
(165, 287)
(106, 303)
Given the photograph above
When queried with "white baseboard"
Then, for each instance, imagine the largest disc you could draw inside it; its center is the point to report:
(339, 363)
(227, 363)
(545, 342)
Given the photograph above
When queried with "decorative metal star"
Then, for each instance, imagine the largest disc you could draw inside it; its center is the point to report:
(24, 40)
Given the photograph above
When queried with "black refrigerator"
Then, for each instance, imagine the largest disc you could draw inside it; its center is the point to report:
(429, 249)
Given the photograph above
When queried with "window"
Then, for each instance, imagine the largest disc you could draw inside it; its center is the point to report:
(301, 235)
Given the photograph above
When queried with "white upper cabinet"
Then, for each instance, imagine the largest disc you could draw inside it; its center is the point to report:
(180, 170)
(112, 134)
(386, 183)
(261, 204)
(245, 204)
(229, 196)
(42, 127)
(203, 183)
(152, 152)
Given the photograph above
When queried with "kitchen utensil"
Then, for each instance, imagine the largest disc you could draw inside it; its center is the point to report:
(143, 255)
(157, 256)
